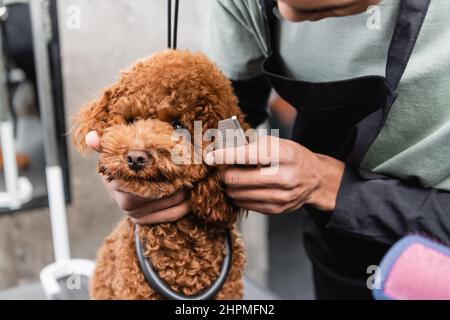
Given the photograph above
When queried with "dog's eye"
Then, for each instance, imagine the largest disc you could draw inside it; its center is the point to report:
(130, 120)
(176, 125)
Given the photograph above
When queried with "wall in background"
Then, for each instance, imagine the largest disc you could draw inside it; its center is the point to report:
(111, 36)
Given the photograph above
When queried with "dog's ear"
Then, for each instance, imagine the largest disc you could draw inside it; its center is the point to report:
(211, 204)
(93, 116)
(215, 110)
(166, 110)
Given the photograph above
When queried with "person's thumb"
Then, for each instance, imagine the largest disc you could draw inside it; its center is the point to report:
(93, 141)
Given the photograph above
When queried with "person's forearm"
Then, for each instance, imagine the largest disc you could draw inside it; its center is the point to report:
(387, 209)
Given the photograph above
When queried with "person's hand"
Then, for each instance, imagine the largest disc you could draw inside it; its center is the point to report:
(302, 177)
(142, 210)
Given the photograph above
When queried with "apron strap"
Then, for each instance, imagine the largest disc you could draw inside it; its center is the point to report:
(409, 23)
(266, 7)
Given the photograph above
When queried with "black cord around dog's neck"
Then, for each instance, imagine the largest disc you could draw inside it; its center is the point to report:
(160, 287)
(172, 39)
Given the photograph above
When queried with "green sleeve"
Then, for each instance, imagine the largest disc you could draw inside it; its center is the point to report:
(234, 38)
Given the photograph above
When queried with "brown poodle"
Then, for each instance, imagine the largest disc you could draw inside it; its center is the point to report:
(136, 118)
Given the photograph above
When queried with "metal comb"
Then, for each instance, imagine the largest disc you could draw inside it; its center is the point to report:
(235, 137)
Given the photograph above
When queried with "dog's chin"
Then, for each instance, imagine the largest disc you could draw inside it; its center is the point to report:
(150, 190)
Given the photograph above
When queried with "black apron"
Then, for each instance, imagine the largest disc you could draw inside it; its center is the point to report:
(342, 119)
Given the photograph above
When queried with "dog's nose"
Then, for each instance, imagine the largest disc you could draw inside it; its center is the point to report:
(137, 160)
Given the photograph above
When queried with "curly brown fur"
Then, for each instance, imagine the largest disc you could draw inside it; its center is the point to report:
(187, 257)
(137, 113)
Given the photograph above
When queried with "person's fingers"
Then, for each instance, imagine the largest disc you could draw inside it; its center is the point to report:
(293, 206)
(125, 201)
(131, 203)
(93, 141)
(276, 196)
(151, 206)
(261, 207)
(252, 177)
(110, 185)
(261, 152)
(167, 215)
(268, 208)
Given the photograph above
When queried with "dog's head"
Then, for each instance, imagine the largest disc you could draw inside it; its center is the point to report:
(137, 117)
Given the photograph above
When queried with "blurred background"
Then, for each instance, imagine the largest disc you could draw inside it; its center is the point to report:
(96, 39)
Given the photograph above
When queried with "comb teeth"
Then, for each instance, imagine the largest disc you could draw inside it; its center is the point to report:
(231, 134)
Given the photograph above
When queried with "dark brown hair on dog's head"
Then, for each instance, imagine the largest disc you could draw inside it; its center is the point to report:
(136, 119)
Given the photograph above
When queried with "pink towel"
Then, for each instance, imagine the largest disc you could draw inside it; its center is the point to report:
(415, 269)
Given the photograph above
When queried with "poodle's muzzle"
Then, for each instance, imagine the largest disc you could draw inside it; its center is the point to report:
(139, 155)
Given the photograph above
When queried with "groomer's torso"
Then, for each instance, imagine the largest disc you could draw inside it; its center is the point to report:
(414, 142)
